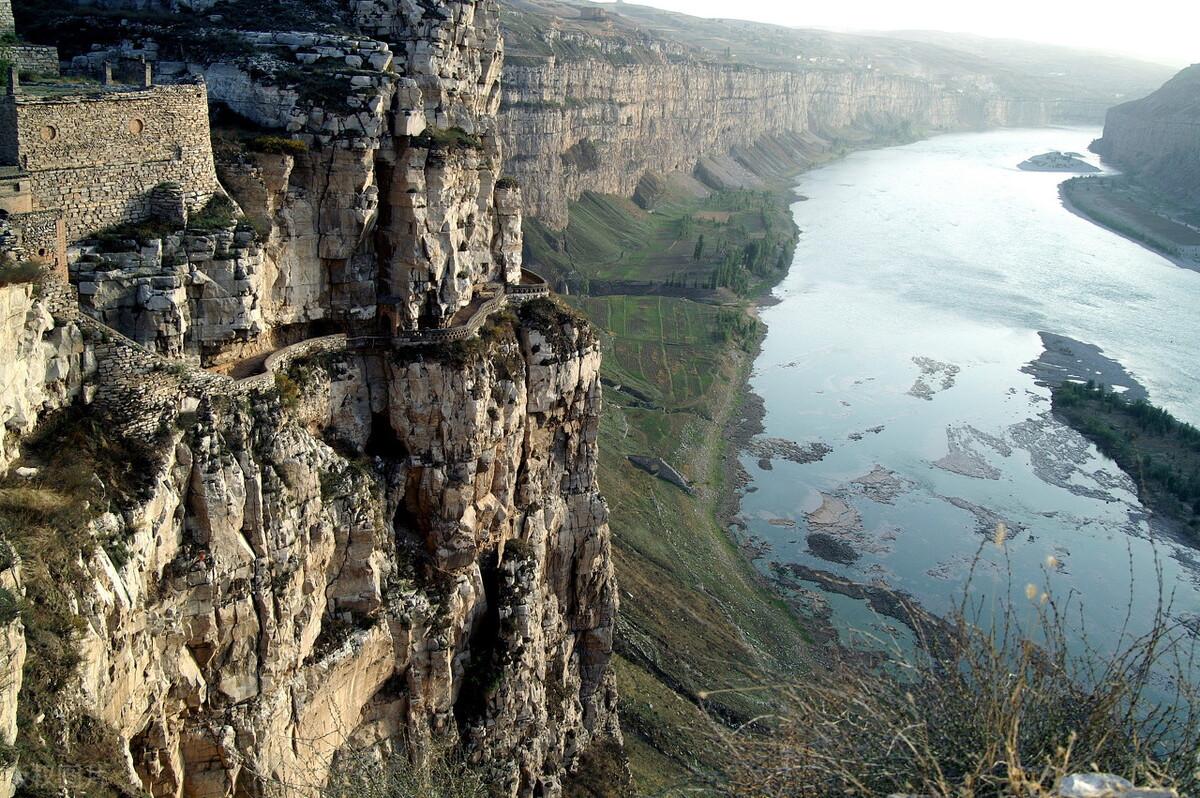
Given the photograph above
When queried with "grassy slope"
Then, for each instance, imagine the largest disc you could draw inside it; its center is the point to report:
(695, 617)
(1122, 205)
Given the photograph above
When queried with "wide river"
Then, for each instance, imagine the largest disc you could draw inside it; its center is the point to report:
(922, 279)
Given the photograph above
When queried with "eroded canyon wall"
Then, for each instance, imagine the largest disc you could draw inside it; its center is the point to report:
(406, 547)
(592, 124)
(1156, 138)
(373, 551)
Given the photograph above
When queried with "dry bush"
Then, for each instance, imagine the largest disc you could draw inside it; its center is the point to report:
(1002, 707)
(366, 773)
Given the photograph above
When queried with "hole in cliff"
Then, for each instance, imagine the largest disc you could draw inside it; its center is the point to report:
(407, 527)
(485, 667)
(383, 442)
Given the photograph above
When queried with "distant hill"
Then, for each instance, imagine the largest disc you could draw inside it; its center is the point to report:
(1157, 139)
(1016, 69)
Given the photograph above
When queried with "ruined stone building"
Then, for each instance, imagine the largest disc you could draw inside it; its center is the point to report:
(76, 158)
(105, 157)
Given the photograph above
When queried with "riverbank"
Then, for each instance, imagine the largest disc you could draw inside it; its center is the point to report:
(1159, 453)
(674, 308)
(1118, 205)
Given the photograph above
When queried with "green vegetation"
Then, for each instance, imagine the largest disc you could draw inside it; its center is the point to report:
(1160, 453)
(276, 145)
(748, 240)
(83, 472)
(583, 155)
(288, 389)
(219, 213)
(23, 271)
(364, 773)
(128, 237)
(507, 182)
(454, 138)
(1130, 210)
(182, 35)
(697, 618)
(1008, 710)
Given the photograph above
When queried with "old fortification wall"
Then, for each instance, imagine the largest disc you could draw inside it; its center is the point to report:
(31, 57)
(97, 157)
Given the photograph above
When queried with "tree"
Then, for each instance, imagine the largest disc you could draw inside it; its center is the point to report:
(699, 251)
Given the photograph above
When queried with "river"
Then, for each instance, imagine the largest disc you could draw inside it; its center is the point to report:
(923, 277)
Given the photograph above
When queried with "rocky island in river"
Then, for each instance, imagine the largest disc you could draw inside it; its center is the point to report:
(1055, 161)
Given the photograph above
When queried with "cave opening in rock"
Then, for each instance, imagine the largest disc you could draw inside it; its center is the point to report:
(484, 667)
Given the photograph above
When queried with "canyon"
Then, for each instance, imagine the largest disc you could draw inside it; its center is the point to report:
(326, 495)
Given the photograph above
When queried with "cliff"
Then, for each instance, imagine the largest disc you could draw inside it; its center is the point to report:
(734, 124)
(395, 548)
(382, 536)
(595, 104)
(1154, 139)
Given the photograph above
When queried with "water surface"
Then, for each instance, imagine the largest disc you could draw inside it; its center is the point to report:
(922, 278)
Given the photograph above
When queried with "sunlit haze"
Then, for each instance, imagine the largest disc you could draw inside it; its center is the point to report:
(1164, 31)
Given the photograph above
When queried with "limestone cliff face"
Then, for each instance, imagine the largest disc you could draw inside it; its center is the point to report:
(12, 662)
(390, 212)
(1155, 138)
(41, 369)
(410, 547)
(368, 550)
(593, 125)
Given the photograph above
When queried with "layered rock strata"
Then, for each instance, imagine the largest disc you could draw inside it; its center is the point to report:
(389, 210)
(372, 551)
(400, 549)
(593, 125)
(1155, 138)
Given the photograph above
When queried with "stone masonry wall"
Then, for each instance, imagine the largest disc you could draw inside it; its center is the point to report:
(98, 157)
(31, 57)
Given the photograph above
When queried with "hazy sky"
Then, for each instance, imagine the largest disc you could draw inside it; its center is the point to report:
(1167, 31)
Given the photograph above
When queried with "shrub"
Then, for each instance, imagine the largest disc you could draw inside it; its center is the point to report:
(127, 237)
(583, 155)
(454, 138)
(999, 710)
(10, 606)
(15, 272)
(507, 183)
(218, 213)
(289, 391)
(277, 145)
(443, 773)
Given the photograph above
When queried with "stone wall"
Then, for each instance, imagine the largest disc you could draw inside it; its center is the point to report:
(7, 23)
(31, 58)
(44, 237)
(388, 206)
(97, 157)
